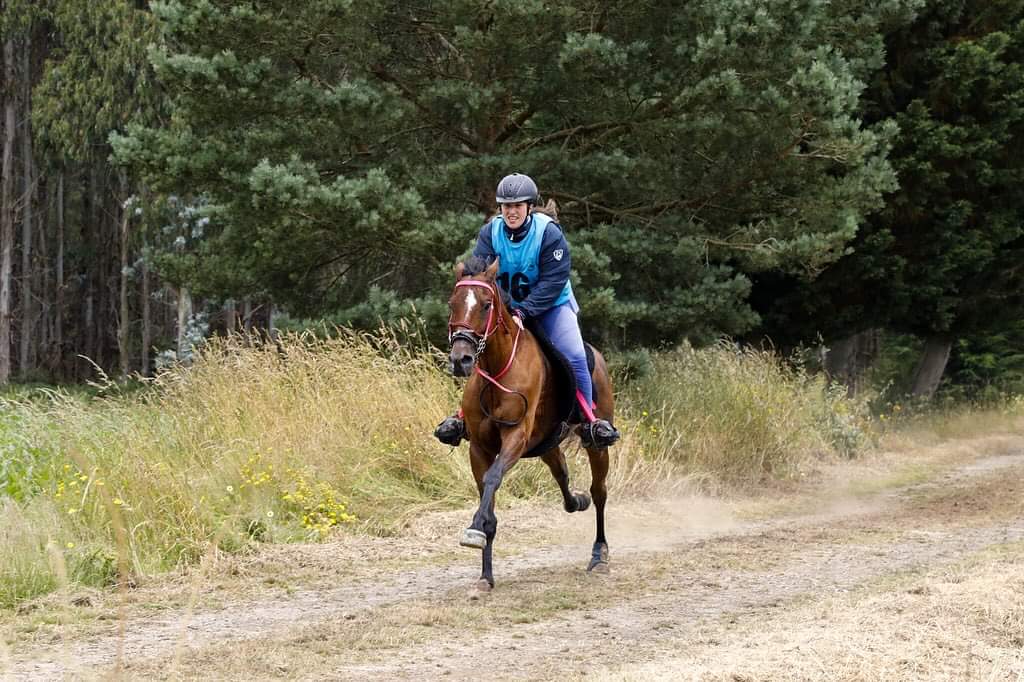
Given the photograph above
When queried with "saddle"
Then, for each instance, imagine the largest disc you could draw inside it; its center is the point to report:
(565, 387)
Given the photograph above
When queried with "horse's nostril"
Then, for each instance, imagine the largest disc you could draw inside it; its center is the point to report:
(460, 365)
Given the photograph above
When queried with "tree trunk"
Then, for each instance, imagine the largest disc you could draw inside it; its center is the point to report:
(40, 273)
(147, 315)
(184, 314)
(90, 245)
(58, 316)
(933, 364)
(27, 299)
(848, 360)
(7, 211)
(124, 316)
(230, 317)
(247, 316)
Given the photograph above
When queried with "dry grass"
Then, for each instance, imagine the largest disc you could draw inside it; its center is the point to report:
(740, 415)
(261, 444)
(658, 597)
(762, 583)
(962, 622)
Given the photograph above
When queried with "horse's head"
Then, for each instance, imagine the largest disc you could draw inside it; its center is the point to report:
(475, 312)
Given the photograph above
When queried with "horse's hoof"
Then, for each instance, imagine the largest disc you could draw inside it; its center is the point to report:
(599, 559)
(582, 502)
(481, 589)
(473, 538)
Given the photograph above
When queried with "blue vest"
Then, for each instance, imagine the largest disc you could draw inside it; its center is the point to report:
(519, 268)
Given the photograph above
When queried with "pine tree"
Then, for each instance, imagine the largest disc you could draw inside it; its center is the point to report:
(942, 260)
(348, 151)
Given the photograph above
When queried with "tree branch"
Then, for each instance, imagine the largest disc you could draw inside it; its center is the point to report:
(570, 132)
(381, 73)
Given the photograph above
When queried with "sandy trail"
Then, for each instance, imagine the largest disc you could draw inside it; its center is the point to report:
(678, 565)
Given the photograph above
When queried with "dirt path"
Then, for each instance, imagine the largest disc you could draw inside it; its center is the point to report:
(694, 592)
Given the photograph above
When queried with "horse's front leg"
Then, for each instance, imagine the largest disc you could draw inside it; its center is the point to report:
(481, 532)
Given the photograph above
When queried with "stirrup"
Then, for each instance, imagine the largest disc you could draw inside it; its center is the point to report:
(598, 433)
(451, 431)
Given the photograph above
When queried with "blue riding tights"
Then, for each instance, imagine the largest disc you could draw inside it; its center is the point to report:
(561, 326)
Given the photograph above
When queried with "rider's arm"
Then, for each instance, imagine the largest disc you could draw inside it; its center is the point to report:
(555, 264)
(484, 249)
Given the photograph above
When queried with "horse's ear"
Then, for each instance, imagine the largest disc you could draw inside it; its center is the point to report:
(492, 271)
(459, 269)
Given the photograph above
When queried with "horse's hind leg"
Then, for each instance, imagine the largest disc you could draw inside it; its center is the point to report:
(555, 460)
(599, 472)
(599, 462)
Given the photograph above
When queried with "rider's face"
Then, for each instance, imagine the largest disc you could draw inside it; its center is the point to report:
(515, 214)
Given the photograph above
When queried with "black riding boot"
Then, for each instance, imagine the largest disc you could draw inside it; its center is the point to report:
(598, 433)
(451, 431)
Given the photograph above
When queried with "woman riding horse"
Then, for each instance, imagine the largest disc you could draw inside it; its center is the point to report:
(513, 407)
(534, 270)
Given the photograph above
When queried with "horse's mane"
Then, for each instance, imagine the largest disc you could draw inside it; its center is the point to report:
(474, 266)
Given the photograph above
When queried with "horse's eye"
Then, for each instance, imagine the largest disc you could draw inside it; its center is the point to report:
(487, 306)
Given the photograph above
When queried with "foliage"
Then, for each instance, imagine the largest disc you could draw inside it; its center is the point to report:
(97, 78)
(352, 148)
(943, 257)
(988, 367)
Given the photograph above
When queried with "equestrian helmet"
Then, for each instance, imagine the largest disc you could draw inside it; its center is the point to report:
(517, 188)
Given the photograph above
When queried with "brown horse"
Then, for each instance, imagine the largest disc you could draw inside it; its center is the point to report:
(510, 406)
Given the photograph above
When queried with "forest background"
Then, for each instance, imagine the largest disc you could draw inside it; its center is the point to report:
(805, 174)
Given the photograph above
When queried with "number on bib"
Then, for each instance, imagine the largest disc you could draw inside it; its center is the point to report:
(520, 288)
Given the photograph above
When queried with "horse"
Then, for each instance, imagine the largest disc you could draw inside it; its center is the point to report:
(510, 406)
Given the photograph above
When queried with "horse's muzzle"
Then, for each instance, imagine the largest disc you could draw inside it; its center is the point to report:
(462, 356)
(460, 363)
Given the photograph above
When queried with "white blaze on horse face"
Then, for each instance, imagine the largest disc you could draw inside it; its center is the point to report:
(471, 304)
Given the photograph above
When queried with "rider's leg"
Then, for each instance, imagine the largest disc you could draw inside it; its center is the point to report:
(562, 327)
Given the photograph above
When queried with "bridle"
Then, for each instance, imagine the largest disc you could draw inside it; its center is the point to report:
(463, 332)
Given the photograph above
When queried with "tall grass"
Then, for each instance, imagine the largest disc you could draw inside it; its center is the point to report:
(279, 443)
(740, 414)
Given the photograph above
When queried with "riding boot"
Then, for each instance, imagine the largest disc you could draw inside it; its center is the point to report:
(598, 433)
(451, 431)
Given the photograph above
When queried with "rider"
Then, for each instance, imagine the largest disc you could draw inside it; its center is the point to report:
(534, 270)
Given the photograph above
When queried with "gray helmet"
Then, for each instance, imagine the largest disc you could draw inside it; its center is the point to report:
(517, 188)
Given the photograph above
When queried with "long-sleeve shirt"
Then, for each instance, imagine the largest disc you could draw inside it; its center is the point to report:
(554, 261)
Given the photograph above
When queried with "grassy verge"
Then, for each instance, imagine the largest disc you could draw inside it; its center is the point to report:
(257, 444)
(740, 414)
